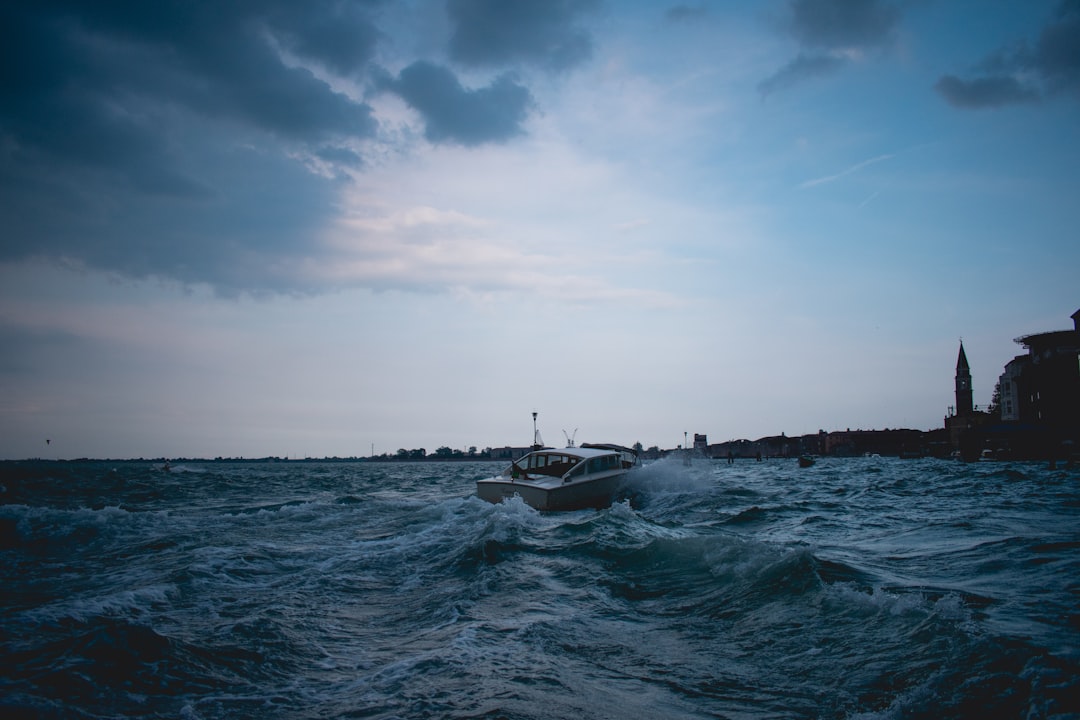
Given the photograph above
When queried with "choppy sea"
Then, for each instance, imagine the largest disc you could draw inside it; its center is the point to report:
(857, 588)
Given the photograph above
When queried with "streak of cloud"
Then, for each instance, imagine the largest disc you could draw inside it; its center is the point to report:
(869, 198)
(844, 173)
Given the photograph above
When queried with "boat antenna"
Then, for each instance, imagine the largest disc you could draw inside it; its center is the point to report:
(570, 438)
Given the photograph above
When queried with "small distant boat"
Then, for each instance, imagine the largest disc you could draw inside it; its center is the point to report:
(806, 460)
(570, 478)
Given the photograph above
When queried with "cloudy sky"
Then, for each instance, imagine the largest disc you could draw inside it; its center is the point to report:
(267, 227)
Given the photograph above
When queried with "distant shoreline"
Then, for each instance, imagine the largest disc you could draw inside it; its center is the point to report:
(178, 460)
(999, 442)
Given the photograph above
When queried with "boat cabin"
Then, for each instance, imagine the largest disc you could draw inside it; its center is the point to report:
(568, 479)
(566, 464)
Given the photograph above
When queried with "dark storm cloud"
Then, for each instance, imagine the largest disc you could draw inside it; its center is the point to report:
(455, 114)
(1026, 74)
(493, 33)
(984, 92)
(833, 24)
(342, 38)
(828, 31)
(161, 138)
(217, 59)
(1057, 55)
(201, 141)
(686, 13)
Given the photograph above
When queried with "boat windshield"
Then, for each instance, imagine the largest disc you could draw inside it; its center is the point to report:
(554, 464)
(597, 464)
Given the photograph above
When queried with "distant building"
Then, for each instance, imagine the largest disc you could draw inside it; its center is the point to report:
(1042, 388)
(1037, 408)
(965, 404)
(964, 418)
(509, 453)
(1009, 390)
(842, 443)
(701, 442)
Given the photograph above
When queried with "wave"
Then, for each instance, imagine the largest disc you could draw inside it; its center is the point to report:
(879, 590)
(117, 667)
(42, 530)
(993, 677)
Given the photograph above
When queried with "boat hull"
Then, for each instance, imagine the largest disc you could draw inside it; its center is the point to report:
(592, 493)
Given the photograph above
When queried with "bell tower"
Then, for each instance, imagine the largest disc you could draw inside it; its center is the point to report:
(964, 404)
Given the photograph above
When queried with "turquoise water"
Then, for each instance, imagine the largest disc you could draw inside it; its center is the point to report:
(859, 588)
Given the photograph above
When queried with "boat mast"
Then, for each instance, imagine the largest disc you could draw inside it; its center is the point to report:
(537, 442)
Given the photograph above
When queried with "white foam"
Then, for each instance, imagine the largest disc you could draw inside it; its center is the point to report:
(136, 603)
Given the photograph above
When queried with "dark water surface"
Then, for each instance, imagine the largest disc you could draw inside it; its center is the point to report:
(862, 588)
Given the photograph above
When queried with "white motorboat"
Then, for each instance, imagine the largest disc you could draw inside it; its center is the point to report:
(570, 478)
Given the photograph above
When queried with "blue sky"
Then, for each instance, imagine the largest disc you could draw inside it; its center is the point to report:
(306, 229)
